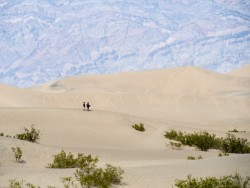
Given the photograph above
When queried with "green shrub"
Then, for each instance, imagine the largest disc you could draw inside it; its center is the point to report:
(1, 134)
(21, 184)
(172, 135)
(231, 144)
(175, 145)
(235, 131)
(68, 182)
(191, 158)
(98, 177)
(223, 154)
(87, 174)
(231, 181)
(113, 174)
(202, 140)
(200, 157)
(139, 127)
(17, 153)
(31, 135)
(15, 184)
(62, 160)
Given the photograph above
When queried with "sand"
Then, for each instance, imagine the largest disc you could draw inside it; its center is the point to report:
(187, 98)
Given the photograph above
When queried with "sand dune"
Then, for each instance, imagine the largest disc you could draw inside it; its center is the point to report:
(187, 98)
(242, 72)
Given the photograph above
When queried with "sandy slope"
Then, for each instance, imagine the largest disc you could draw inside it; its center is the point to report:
(242, 72)
(188, 98)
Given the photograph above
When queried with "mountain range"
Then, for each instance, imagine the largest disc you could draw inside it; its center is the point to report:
(43, 40)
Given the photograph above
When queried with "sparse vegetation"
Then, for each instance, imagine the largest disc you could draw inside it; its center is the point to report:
(204, 141)
(87, 174)
(221, 154)
(231, 144)
(175, 145)
(32, 135)
(139, 127)
(232, 181)
(98, 177)
(68, 182)
(200, 157)
(21, 184)
(235, 131)
(17, 153)
(63, 160)
(191, 158)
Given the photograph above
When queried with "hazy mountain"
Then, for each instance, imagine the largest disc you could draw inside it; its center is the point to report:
(41, 40)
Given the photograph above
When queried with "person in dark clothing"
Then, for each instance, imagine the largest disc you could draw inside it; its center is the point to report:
(83, 106)
(88, 105)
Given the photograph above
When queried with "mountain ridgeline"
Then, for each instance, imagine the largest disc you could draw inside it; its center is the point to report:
(47, 40)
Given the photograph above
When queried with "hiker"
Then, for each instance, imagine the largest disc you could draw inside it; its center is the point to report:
(83, 106)
(88, 105)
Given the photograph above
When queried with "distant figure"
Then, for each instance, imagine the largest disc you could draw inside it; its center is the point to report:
(88, 105)
(83, 106)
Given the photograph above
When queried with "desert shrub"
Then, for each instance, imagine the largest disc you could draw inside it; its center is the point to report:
(172, 135)
(1, 134)
(223, 154)
(98, 177)
(199, 157)
(93, 178)
(113, 174)
(191, 158)
(232, 181)
(63, 160)
(68, 182)
(87, 173)
(175, 145)
(202, 140)
(231, 144)
(15, 184)
(17, 153)
(31, 135)
(139, 127)
(235, 131)
(21, 184)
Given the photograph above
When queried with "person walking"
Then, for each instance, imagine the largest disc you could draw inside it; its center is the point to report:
(88, 105)
(83, 106)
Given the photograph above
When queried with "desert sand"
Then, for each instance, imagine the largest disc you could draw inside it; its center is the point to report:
(187, 99)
